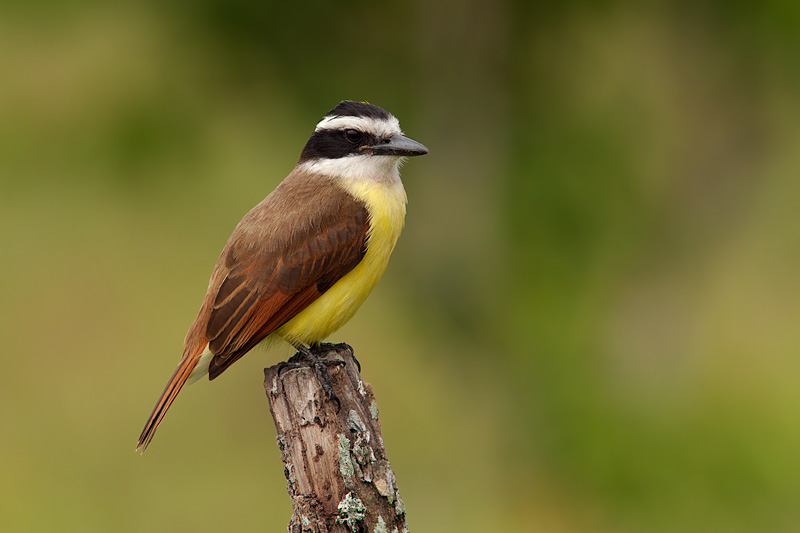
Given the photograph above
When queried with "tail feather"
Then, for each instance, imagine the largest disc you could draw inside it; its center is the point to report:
(174, 385)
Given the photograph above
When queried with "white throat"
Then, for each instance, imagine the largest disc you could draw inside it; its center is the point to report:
(357, 168)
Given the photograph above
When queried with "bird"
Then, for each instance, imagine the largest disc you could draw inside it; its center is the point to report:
(300, 263)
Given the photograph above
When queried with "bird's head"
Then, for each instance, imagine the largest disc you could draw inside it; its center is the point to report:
(357, 134)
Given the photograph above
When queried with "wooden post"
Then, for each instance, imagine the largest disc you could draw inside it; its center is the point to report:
(338, 475)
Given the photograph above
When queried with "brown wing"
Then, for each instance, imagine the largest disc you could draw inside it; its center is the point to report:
(282, 256)
(269, 283)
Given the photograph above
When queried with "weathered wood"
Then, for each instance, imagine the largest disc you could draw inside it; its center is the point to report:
(338, 475)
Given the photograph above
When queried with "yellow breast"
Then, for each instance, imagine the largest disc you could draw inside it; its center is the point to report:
(386, 203)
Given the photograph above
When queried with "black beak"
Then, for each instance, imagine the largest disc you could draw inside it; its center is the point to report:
(398, 145)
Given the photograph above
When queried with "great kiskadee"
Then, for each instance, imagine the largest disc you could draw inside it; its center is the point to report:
(301, 263)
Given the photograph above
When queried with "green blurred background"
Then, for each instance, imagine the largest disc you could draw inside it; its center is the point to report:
(590, 323)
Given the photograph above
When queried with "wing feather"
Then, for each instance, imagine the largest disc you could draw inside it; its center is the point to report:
(265, 288)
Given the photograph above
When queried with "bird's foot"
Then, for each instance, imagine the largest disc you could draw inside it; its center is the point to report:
(339, 348)
(310, 358)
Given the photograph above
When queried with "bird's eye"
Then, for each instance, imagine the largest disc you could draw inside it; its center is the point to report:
(353, 136)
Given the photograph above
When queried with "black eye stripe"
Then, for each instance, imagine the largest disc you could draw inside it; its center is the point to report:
(335, 143)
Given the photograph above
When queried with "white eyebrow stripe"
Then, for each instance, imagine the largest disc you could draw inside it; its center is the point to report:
(379, 127)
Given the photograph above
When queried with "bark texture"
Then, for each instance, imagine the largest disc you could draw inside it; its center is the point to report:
(335, 464)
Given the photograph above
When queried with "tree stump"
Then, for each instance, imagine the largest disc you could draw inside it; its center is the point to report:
(335, 464)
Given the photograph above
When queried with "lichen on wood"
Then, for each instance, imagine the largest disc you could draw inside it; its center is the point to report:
(337, 471)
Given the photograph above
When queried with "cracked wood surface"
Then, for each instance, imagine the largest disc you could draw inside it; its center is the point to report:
(337, 471)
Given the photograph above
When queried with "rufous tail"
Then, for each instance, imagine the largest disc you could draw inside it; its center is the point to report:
(171, 391)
